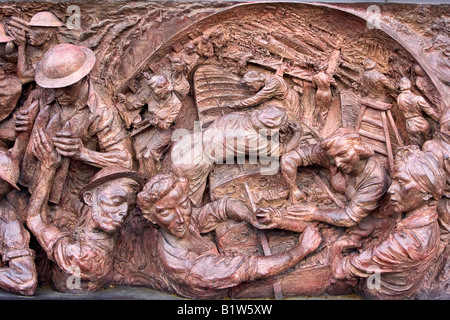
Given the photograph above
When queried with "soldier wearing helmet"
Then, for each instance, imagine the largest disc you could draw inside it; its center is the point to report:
(85, 131)
(34, 41)
(18, 270)
(89, 249)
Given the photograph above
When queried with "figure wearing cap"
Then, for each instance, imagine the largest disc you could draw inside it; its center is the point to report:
(413, 106)
(402, 260)
(270, 90)
(89, 249)
(41, 35)
(354, 173)
(376, 84)
(232, 135)
(7, 47)
(86, 132)
(17, 270)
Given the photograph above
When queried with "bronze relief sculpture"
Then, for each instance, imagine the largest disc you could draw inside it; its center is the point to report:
(225, 150)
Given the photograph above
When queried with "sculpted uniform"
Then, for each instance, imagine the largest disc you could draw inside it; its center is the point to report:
(403, 259)
(88, 255)
(100, 129)
(200, 271)
(152, 142)
(235, 134)
(363, 191)
(412, 107)
(276, 92)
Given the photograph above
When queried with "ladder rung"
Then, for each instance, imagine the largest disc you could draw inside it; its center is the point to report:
(371, 135)
(373, 122)
(382, 106)
(378, 149)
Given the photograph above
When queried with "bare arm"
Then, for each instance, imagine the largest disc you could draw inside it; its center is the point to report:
(272, 265)
(25, 72)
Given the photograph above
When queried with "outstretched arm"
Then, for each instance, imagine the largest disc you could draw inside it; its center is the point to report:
(219, 272)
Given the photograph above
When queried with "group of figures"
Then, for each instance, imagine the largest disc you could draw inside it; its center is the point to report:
(86, 176)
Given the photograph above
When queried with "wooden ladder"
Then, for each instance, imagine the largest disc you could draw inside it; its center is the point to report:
(384, 109)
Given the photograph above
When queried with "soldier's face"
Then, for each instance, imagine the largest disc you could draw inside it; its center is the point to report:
(39, 35)
(111, 203)
(173, 212)
(405, 194)
(68, 95)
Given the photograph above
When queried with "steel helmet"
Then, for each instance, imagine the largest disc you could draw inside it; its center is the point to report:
(64, 65)
(45, 19)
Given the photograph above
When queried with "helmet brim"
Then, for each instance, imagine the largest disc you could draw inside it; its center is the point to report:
(53, 83)
(4, 38)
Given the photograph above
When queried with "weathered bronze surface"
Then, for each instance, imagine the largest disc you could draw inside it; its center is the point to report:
(226, 150)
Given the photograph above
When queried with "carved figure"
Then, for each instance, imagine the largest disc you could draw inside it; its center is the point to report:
(88, 251)
(271, 90)
(10, 90)
(163, 109)
(354, 172)
(86, 132)
(376, 84)
(427, 89)
(190, 56)
(178, 79)
(440, 146)
(192, 265)
(412, 107)
(33, 38)
(8, 54)
(17, 270)
(404, 257)
(232, 135)
(323, 96)
(204, 46)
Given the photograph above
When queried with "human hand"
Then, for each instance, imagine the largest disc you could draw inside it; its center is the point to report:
(310, 239)
(44, 151)
(68, 146)
(266, 217)
(121, 98)
(23, 121)
(344, 244)
(305, 212)
(19, 35)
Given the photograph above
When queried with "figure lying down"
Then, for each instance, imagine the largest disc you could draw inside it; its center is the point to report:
(192, 265)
